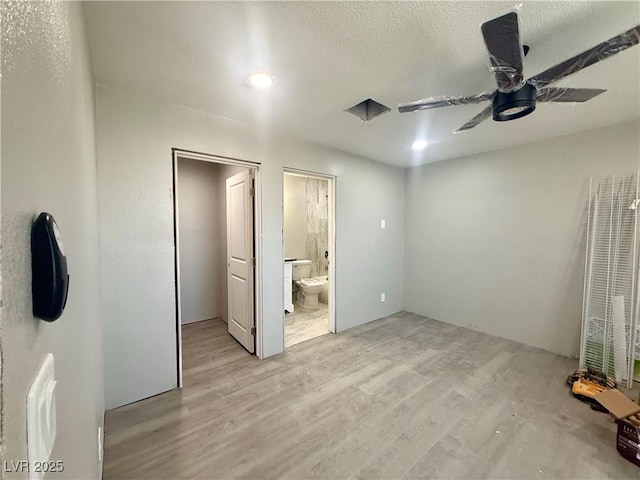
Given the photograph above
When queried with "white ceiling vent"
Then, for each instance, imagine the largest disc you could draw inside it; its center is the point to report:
(368, 109)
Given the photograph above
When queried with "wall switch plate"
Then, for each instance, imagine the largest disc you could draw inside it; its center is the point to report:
(383, 224)
(383, 298)
(41, 418)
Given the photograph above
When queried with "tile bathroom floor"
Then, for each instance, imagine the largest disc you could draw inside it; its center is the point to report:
(302, 325)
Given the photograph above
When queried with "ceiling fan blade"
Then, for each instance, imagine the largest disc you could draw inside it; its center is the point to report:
(481, 117)
(587, 58)
(553, 94)
(502, 37)
(439, 102)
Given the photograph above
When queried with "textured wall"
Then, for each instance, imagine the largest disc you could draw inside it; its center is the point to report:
(200, 265)
(496, 241)
(135, 137)
(49, 164)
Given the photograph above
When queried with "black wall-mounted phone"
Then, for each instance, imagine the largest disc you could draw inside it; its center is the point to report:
(50, 281)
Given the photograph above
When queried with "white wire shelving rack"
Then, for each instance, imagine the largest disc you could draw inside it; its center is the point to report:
(610, 339)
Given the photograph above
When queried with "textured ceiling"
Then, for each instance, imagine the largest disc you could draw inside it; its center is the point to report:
(328, 56)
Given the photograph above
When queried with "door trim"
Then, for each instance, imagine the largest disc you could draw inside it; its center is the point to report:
(257, 236)
(332, 238)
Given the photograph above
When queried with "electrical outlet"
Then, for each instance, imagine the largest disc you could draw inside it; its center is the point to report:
(383, 224)
(383, 298)
(100, 451)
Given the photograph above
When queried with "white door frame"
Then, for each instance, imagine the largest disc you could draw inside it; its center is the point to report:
(332, 238)
(257, 235)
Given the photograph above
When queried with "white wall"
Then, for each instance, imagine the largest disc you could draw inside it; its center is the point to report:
(135, 137)
(49, 164)
(295, 216)
(199, 231)
(496, 241)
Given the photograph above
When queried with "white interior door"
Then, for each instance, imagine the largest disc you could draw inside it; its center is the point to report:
(240, 260)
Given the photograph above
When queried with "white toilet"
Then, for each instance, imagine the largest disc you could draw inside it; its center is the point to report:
(308, 288)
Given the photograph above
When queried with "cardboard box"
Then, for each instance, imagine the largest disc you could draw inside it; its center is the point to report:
(617, 403)
(627, 414)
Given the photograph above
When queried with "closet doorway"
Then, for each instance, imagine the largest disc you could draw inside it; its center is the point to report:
(217, 257)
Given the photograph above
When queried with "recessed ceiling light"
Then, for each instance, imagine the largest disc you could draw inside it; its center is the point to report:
(419, 145)
(259, 80)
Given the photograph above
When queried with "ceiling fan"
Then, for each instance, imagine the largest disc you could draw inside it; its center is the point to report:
(516, 97)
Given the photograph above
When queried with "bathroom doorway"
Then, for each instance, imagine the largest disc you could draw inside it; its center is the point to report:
(309, 251)
(217, 215)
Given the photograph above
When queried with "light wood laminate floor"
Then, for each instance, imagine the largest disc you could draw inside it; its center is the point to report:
(303, 325)
(401, 397)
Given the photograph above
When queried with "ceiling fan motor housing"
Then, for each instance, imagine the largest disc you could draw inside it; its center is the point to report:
(512, 105)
